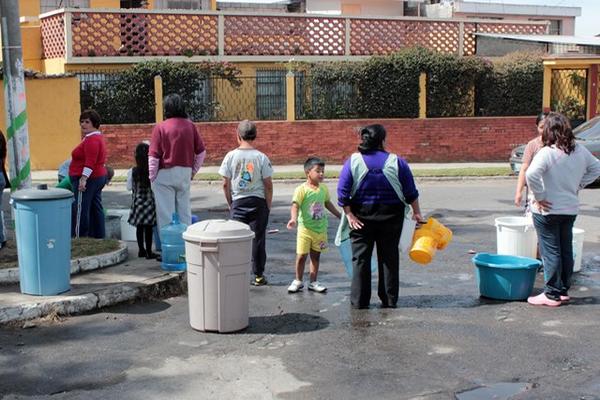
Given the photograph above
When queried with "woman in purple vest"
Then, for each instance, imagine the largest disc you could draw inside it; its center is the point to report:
(375, 214)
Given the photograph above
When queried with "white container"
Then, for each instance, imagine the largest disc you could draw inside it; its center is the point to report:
(578, 235)
(218, 255)
(127, 231)
(515, 236)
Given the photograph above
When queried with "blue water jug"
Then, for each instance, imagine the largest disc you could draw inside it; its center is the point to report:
(173, 246)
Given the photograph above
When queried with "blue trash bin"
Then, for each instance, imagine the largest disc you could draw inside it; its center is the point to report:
(43, 233)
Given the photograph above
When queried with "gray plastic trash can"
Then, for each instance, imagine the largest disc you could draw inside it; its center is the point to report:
(43, 233)
(218, 254)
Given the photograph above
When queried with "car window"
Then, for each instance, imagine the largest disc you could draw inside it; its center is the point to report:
(588, 131)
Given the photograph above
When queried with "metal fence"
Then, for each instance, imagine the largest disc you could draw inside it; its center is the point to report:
(260, 97)
(568, 93)
(336, 100)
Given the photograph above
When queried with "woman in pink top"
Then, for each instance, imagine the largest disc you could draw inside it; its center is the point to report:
(531, 149)
(176, 154)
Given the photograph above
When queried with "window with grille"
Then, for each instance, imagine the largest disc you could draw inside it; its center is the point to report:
(270, 94)
(555, 26)
(180, 4)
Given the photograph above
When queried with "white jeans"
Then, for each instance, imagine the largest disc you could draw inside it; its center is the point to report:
(171, 190)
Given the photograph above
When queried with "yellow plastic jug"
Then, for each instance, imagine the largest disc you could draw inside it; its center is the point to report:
(444, 235)
(424, 246)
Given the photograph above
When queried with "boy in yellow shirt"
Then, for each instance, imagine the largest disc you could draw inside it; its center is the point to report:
(308, 213)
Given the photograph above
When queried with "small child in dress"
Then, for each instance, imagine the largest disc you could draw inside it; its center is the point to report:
(308, 213)
(143, 210)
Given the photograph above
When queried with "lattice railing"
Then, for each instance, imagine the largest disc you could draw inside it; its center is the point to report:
(380, 36)
(257, 35)
(53, 36)
(150, 33)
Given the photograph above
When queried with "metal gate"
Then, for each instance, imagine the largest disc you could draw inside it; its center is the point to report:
(568, 93)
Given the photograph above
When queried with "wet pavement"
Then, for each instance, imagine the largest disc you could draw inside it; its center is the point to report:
(443, 342)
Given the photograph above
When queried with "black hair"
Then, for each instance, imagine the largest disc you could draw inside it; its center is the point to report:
(174, 106)
(557, 131)
(140, 172)
(93, 116)
(311, 162)
(372, 138)
(540, 117)
(247, 130)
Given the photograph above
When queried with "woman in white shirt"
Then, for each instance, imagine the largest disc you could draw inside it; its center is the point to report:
(556, 174)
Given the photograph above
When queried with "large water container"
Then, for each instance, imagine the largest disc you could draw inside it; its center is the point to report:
(577, 248)
(43, 233)
(173, 245)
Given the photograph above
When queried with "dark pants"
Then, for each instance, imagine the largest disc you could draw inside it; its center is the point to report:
(254, 212)
(87, 212)
(555, 236)
(386, 236)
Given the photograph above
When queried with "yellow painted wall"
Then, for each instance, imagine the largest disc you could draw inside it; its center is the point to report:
(32, 47)
(53, 125)
(53, 66)
(105, 3)
(29, 8)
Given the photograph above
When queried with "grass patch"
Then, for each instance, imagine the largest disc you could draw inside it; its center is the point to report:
(457, 172)
(82, 247)
(441, 172)
(86, 247)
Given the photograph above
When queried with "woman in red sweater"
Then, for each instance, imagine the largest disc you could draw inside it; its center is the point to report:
(88, 177)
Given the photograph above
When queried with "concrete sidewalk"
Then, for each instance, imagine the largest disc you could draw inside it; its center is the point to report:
(51, 175)
(128, 281)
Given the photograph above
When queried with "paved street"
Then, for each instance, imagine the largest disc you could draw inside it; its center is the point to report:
(441, 343)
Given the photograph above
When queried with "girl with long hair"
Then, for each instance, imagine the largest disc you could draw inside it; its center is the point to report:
(143, 209)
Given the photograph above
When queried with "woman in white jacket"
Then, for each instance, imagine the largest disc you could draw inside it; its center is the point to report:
(556, 174)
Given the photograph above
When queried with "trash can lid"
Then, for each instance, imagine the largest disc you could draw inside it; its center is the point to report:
(215, 230)
(41, 192)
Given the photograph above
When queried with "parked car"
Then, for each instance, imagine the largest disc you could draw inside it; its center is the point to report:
(587, 134)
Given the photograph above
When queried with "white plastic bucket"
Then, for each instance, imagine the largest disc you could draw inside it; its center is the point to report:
(578, 235)
(515, 236)
(127, 231)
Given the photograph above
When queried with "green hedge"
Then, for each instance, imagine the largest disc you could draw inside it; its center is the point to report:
(388, 87)
(129, 95)
(513, 85)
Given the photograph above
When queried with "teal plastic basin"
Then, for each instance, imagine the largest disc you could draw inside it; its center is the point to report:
(505, 277)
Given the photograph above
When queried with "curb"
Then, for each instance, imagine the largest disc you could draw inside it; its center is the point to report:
(11, 275)
(166, 285)
(416, 178)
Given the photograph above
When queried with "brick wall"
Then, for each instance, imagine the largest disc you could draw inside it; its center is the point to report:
(418, 140)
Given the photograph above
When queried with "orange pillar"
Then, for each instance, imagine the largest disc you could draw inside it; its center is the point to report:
(593, 92)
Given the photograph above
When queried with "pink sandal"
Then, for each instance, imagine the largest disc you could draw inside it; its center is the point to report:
(542, 300)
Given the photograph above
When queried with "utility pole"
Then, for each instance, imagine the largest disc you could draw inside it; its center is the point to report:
(14, 96)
